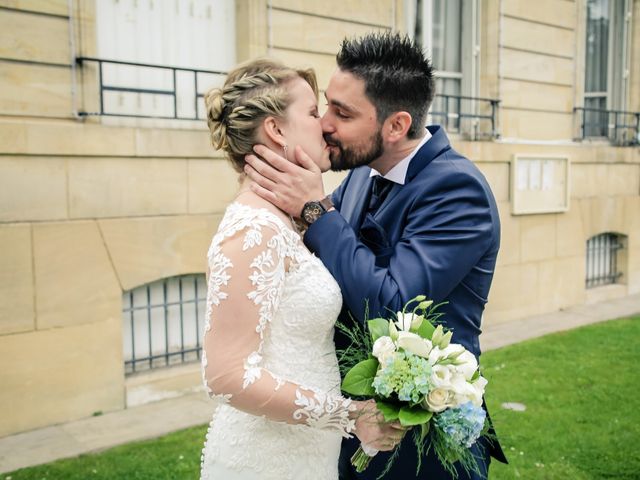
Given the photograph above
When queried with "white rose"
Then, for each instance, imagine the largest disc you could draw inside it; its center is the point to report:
(463, 390)
(438, 400)
(441, 376)
(466, 364)
(383, 348)
(478, 386)
(405, 320)
(414, 343)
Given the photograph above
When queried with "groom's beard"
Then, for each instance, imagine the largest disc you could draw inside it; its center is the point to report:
(346, 158)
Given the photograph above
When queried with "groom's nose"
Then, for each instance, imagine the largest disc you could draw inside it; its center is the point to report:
(327, 123)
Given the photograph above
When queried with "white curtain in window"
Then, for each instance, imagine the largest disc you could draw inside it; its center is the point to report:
(196, 34)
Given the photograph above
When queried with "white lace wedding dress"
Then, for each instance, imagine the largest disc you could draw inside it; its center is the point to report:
(268, 355)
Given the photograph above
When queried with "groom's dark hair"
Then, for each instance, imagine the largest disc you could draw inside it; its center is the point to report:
(396, 74)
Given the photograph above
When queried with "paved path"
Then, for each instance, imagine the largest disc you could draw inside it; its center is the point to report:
(162, 417)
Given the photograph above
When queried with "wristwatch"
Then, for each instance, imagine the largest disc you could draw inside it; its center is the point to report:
(313, 210)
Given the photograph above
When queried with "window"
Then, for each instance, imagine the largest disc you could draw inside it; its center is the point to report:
(193, 34)
(448, 30)
(603, 267)
(607, 64)
(162, 323)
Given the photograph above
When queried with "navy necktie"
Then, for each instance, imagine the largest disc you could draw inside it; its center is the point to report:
(379, 191)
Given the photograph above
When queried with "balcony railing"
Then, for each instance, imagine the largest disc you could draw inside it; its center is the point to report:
(177, 87)
(473, 117)
(121, 85)
(620, 127)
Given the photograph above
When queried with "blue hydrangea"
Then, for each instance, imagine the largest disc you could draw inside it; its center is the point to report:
(462, 424)
(404, 374)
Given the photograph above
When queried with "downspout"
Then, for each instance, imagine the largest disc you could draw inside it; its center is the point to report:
(72, 54)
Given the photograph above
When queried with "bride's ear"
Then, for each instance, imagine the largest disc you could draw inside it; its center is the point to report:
(273, 130)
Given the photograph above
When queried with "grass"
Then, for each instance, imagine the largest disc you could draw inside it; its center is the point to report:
(582, 417)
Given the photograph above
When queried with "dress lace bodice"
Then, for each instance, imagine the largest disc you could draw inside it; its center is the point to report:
(268, 352)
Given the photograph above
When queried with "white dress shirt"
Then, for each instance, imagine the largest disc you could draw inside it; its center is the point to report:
(398, 173)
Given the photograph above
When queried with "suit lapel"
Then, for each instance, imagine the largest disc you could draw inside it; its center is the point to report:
(356, 197)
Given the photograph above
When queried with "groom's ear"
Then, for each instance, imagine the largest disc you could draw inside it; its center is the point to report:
(273, 130)
(396, 126)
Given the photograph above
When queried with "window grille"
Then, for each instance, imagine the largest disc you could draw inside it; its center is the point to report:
(162, 323)
(602, 259)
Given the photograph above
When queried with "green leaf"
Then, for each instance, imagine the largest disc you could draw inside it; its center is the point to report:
(389, 410)
(358, 381)
(424, 430)
(426, 330)
(378, 327)
(411, 416)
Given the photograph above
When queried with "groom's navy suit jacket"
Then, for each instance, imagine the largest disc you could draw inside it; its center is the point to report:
(438, 235)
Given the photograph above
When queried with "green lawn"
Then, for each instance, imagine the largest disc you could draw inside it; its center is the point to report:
(582, 419)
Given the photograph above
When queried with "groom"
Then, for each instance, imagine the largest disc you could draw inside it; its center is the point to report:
(412, 216)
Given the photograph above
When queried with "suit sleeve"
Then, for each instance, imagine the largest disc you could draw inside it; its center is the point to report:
(445, 234)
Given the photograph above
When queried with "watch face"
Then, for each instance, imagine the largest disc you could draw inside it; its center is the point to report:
(312, 211)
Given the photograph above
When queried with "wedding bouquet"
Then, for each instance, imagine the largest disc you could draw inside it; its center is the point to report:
(418, 377)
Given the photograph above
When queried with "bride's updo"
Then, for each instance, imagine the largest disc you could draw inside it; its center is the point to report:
(252, 91)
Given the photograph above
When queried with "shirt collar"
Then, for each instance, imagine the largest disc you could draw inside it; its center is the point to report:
(398, 174)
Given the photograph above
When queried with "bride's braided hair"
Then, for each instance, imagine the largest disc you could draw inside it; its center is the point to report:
(251, 92)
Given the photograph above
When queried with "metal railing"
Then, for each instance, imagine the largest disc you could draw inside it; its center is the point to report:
(602, 259)
(162, 323)
(474, 117)
(193, 94)
(620, 127)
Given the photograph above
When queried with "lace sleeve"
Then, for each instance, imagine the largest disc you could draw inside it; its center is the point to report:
(247, 271)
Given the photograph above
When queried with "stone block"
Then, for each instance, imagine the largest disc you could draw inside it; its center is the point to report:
(534, 125)
(552, 12)
(632, 220)
(571, 239)
(497, 174)
(538, 237)
(603, 214)
(75, 280)
(161, 142)
(516, 64)
(375, 12)
(53, 7)
(61, 374)
(510, 239)
(588, 180)
(35, 38)
(316, 34)
(623, 179)
(73, 138)
(213, 184)
(121, 187)
(323, 63)
(148, 249)
(514, 294)
(13, 137)
(520, 94)
(17, 310)
(537, 37)
(32, 188)
(561, 283)
(37, 90)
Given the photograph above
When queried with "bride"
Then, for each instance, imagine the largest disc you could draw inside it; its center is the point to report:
(268, 352)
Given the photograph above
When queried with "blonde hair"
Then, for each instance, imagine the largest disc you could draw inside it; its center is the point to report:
(252, 91)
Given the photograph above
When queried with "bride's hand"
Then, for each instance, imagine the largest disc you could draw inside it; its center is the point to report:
(285, 184)
(372, 430)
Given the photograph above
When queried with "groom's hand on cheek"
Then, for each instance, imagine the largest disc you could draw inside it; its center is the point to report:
(285, 184)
